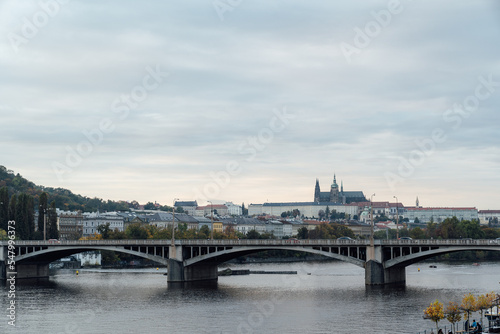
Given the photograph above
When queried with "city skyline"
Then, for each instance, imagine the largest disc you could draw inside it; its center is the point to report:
(252, 102)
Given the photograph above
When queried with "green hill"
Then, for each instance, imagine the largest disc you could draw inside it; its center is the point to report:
(64, 198)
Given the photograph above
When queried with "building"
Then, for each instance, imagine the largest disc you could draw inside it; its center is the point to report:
(233, 209)
(306, 209)
(489, 216)
(425, 215)
(189, 207)
(206, 211)
(70, 225)
(336, 195)
(244, 225)
(91, 221)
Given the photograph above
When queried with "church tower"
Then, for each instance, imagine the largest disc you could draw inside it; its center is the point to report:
(317, 192)
(334, 191)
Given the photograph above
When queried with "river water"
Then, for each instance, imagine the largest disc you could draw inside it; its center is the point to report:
(324, 297)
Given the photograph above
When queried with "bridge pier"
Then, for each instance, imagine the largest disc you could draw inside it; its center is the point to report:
(32, 270)
(177, 272)
(376, 274)
(3, 270)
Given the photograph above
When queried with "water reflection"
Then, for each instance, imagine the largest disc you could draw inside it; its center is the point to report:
(321, 298)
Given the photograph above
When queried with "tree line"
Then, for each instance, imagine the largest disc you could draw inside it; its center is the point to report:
(20, 208)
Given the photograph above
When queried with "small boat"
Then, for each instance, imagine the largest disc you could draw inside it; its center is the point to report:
(432, 266)
(476, 264)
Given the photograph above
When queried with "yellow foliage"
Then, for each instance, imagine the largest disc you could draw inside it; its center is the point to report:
(469, 303)
(95, 236)
(453, 313)
(435, 311)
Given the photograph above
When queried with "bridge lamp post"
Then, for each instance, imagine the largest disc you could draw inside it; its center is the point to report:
(211, 220)
(371, 215)
(397, 218)
(173, 222)
(44, 222)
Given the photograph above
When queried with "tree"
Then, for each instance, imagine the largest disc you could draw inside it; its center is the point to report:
(42, 211)
(244, 211)
(204, 232)
(468, 304)
(4, 208)
(435, 313)
(136, 231)
(253, 234)
(453, 314)
(12, 207)
(303, 233)
(149, 206)
(417, 233)
(484, 302)
(104, 230)
(52, 232)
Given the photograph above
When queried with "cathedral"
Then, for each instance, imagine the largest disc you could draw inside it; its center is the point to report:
(336, 195)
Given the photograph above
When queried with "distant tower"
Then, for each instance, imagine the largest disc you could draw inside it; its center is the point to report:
(417, 203)
(334, 191)
(317, 191)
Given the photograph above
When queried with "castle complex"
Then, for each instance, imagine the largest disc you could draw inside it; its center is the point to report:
(337, 196)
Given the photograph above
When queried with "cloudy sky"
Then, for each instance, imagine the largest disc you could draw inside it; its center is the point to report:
(251, 101)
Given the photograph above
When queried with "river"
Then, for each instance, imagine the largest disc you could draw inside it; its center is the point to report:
(324, 297)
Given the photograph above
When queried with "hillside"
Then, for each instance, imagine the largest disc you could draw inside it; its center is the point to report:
(64, 198)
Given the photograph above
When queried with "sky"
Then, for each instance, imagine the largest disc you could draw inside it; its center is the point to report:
(252, 101)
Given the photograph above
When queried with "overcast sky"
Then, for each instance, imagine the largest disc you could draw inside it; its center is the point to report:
(251, 101)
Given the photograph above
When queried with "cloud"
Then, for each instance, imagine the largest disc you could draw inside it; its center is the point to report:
(226, 77)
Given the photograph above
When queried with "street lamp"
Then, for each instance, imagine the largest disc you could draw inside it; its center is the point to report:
(44, 221)
(211, 220)
(371, 215)
(397, 218)
(173, 222)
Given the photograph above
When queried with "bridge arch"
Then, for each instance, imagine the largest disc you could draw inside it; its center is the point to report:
(229, 254)
(52, 254)
(410, 259)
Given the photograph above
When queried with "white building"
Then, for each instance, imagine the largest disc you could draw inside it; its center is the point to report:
(92, 258)
(485, 216)
(233, 209)
(307, 209)
(91, 221)
(437, 215)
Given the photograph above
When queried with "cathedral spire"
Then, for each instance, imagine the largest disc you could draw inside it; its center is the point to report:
(417, 202)
(341, 186)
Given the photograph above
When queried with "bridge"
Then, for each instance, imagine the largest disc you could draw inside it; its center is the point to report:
(384, 261)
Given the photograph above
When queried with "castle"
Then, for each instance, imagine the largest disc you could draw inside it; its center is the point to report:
(337, 196)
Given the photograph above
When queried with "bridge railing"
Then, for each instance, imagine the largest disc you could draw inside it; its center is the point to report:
(260, 242)
(191, 242)
(443, 242)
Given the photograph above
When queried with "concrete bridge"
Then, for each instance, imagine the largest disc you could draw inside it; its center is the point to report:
(384, 261)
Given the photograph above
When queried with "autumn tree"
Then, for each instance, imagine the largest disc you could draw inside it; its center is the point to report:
(453, 313)
(468, 304)
(435, 312)
(484, 302)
